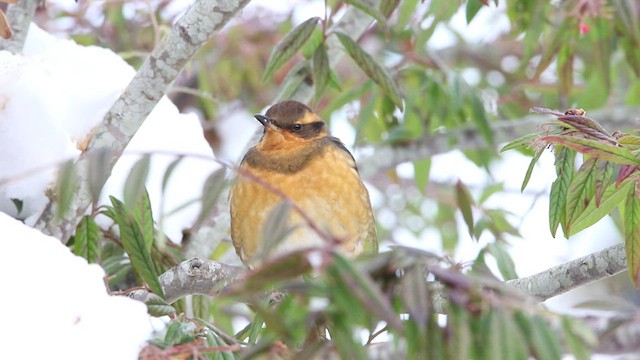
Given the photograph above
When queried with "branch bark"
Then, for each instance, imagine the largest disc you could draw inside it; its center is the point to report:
(20, 16)
(388, 156)
(210, 277)
(157, 73)
(562, 278)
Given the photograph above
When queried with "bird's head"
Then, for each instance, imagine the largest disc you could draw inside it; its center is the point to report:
(289, 124)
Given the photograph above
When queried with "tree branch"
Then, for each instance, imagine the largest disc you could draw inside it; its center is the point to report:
(562, 278)
(20, 15)
(388, 156)
(198, 277)
(127, 114)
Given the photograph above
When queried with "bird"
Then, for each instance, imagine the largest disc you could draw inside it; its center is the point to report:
(298, 160)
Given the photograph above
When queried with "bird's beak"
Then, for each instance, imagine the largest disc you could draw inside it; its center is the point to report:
(266, 122)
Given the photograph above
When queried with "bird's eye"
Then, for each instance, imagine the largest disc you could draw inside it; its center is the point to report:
(296, 127)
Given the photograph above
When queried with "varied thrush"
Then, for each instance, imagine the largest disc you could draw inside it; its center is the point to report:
(314, 170)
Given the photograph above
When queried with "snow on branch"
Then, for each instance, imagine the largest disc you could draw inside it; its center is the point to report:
(127, 114)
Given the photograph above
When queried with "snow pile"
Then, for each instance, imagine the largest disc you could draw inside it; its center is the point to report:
(51, 98)
(57, 304)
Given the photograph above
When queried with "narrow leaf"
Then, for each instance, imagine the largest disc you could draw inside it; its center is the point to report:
(587, 126)
(144, 218)
(374, 71)
(473, 6)
(632, 231)
(625, 171)
(595, 148)
(421, 170)
(99, 171)
(65, 187)
(86, 239)
(275, 230)
(506, 266)
(612, 197)
(602, 180)
(169, 171)
(464, 202)
(210, 192)
(321, 71)
(369, 10)
(365, 289)
(289, 45)
(480, 118)
(532, 164)
(157, 306)
(546, 344)
(559, 188)
(134, 185)
(300, 73)
(134, 244)
(521, 142)
(581, 190)
(576, 336)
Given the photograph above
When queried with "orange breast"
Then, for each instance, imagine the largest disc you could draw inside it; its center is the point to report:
(328, 189)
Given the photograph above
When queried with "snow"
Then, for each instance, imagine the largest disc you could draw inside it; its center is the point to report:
(56, 301)
(50, 99)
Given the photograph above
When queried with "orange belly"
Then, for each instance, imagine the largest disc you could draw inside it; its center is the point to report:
(328, 190)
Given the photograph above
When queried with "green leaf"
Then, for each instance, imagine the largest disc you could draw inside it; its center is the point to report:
(289, 45)
(365, 290)
(595, 149)
(473, 6)
(316, 39)
(521, 142)
(169, 171)
(546, 344)
(157, 306)
(558, 195)
(632, 231)
(406, 12)
(480, 118)
(602, 180)
(374, 71)
(504, 330)
(275, 230)
(506, 266)
(211, 191)
(369, 10)
(65, 189)
(578, 338)
(213, 340)
(611, 198)
(135, 183)
(86, 239)
(135, 246)
(532, 164)
(581, 190)
(99, 171)
(179, 332)
(321, 70)
(464, 202)
(461, 337)
(421, 169)
(291, 83)
(144, 218)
